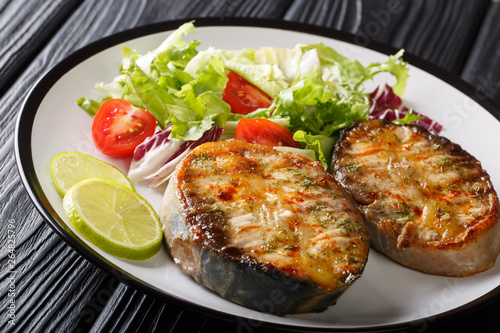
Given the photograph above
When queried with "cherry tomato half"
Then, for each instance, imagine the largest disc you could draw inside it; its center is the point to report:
(265, 132)
(119, 127)
(244, 97)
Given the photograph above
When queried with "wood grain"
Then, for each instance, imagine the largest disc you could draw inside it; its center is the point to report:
(59, 291)
(441, 32)
(25, 27)
(482, 68)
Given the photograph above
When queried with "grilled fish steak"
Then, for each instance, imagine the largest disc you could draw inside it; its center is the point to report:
(429, 205)
(268, 230)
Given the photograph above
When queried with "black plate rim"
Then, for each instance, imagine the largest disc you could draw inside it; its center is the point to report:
(26, 169)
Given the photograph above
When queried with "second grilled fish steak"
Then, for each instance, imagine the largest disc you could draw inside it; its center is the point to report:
(428, 204)
(269, 230)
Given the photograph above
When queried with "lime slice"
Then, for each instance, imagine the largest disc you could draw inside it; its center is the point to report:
(67, 169)
(114, 218)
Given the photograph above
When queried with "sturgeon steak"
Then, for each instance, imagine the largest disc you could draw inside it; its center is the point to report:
(268, 230)
(429, 204)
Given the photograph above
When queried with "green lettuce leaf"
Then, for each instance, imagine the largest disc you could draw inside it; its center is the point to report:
(89, 105)
(408, 118)
(351, 72)
(315, 112)
(267, 77)
(346, 70)
(321, 144)
(158, 83)
(200, 105)
(146, 93)
(395, 66)
(311, 105)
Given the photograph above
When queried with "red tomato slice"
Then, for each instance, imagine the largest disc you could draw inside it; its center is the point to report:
(265, 132)
(119, 127)
(244, 97)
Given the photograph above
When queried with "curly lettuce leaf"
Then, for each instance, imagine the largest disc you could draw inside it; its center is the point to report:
(311, 105)
(158, 83)
(315, 112)
(395, 66)
(322, 145)
(200, 105)
(351, 72)
(410, 117)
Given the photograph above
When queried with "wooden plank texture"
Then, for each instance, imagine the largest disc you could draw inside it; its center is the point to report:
(25, 27)
(441, 32)
(481, 69)
(56, 290)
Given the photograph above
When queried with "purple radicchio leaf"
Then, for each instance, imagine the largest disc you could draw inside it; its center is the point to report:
(155, 159)
(386, 105)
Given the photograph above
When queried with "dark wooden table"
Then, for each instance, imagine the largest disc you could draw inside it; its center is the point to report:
(54, 289)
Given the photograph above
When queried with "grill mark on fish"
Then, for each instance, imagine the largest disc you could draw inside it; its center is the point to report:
(422, 192)
(250, 206)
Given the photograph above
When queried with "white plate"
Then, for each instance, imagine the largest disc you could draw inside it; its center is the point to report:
(388, 295)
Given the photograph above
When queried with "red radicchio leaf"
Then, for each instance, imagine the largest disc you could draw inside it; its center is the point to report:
(386, 105)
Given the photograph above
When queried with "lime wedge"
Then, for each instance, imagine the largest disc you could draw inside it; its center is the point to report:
(114, 218)
(67, 169)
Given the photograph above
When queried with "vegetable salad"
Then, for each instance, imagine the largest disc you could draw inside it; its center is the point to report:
(298, 99)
